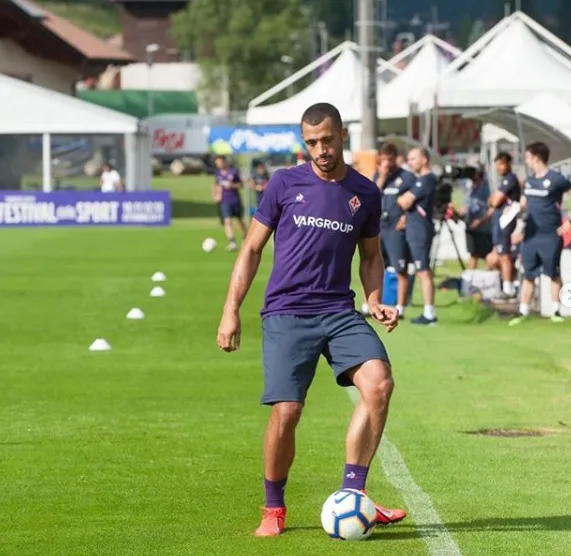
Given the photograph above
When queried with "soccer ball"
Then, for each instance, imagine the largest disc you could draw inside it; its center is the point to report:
(209, 245)
(348, 515)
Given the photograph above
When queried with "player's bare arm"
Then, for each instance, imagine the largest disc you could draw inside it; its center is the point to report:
(497, 199)
(243, 274)
(371, 272)
(406, 200)
(565, 228)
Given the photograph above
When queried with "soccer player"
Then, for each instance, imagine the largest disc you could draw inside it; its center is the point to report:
(542, 244)
(319, 212)
(228, 185)
(393, 181)
(477, 215)
(418, 203)
(259, 181)
(509, 191)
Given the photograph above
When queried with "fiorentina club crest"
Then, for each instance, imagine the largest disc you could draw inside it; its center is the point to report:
(354, 205)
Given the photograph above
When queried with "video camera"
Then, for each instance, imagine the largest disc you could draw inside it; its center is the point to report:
(445, 188)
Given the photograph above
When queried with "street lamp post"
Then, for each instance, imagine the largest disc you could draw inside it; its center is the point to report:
(288, 62)
(151, 49)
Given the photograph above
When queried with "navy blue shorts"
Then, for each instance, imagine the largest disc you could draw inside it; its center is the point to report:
(396, 248)
(542, 253)
(502, 239)
(231, 210)
(292, 346)
(420, 246)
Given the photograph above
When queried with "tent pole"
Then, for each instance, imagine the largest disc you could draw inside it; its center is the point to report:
(409, 121)
(434, 139)
(130, 162)
(521, 140)
(47, 163)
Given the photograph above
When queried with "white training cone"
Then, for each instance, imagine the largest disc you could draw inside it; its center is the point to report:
(135, 314)
(100, 345)
(158, 292)
(158, 277)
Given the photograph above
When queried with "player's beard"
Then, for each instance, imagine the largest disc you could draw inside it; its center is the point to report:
(327, 164)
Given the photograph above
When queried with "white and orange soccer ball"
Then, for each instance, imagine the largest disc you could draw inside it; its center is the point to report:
(349, 515)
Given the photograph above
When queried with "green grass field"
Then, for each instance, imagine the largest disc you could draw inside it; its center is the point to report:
(154, 448)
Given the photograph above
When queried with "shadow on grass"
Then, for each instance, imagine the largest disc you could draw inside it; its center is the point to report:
(492, 524)
(193, 209)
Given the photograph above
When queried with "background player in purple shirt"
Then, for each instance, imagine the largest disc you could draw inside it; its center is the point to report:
(543, 241)
(228, 186)
(418, 203)
(320, 212)
(259, 181)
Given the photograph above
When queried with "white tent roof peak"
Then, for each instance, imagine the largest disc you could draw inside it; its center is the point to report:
(340, 85)
(420, 44)
(26, 108)
(470, 54)
(422, 71)
(518, 62)
(342, 48)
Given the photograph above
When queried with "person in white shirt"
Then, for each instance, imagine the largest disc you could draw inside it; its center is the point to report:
(110, 180)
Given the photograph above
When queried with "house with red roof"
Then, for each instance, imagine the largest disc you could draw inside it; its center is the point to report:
(47, 50)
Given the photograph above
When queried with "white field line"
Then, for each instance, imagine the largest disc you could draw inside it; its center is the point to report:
(419, 505)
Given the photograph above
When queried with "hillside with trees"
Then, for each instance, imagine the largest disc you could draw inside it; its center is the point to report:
(99, 17)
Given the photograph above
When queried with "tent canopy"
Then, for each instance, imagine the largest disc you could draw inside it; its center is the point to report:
(136, 103)
(340, 85)
(515, 61)
(27, 109)
(545, 118)
(494, 134)
(423, 70)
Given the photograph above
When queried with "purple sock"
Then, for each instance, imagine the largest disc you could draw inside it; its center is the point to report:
(355, 476)
(275, 492)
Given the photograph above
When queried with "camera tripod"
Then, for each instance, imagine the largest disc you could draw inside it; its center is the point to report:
(443, 220)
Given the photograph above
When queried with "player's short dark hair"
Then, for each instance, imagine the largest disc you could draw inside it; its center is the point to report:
(316, 113)
(504, 157)
(388, 149)
(219, 157)
(539, 149)
(423, 152)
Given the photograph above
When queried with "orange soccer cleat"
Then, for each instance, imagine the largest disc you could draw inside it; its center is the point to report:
(273, 522)
(386, 516)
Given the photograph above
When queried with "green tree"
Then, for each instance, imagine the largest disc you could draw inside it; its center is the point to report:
(241, 44)
(462, 32)
(478, 29)
(564, 20)
(527, 6)
(339, 21)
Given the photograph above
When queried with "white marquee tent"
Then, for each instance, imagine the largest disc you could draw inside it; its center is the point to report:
(545, 118)
(513, 62)
(27, 109)
(429, 61)
(340, 85)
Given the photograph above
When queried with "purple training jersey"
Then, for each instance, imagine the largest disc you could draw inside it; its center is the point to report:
(317, 225)
(225, 179)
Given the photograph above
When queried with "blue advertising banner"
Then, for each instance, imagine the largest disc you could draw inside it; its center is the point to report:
(256, 139)
(84, 208)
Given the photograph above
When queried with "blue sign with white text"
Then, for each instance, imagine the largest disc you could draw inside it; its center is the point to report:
(256, 139)
(84, 208)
